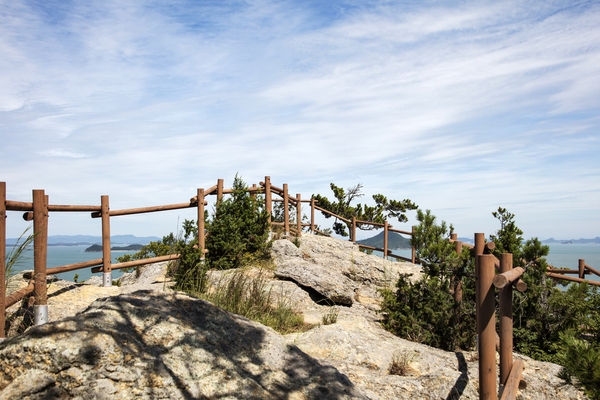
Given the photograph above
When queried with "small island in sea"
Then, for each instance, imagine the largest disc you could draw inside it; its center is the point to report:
(96, 248)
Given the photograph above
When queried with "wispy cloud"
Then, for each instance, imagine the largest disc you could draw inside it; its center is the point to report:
(460, 107)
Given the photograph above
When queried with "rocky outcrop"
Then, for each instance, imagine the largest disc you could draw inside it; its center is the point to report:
(337, 269)
(162, 346)
(146, 341)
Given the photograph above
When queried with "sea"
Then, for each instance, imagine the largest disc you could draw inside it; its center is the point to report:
(561, 255)
(64, 255)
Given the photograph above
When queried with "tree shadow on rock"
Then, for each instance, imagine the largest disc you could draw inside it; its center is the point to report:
(157, 345)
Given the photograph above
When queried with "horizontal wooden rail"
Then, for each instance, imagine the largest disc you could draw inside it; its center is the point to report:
(135, 263)
(333, 215)
(390, 254)
(67, 268)
(564, 271)
(370, 223)
(18, 205)
(513, 381)
(25, 206)
(58, 207)
(507, 277)
(399, 231)
(592, 270)
(142, 210)
(18, 295)
(570, 278)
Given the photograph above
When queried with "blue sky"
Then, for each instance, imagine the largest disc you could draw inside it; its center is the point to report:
(460, 107)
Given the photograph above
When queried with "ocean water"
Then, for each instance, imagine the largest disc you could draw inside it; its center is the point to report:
(64, 255)
(561, 255)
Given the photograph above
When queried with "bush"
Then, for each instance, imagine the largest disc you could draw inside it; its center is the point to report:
(581, 360)
(239, 230)
(438, 309)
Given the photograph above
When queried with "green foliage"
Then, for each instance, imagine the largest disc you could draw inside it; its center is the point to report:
(581, 360)
(23, 242)
(509, 237)
(189, 272)
(158, 248)
(239, 231)
(247, 295)
(427, 311)
(435, 252)
(342, 206)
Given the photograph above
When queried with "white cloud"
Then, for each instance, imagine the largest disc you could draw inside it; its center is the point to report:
(461, 108)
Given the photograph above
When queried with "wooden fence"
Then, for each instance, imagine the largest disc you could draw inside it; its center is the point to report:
(488, 340)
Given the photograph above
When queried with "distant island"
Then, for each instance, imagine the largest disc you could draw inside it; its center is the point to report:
(96, 248)
(395, 241)
(81, 240)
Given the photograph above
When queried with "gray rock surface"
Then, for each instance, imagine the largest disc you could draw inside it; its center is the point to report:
(157, 343)
(336, 269)
(162, 346)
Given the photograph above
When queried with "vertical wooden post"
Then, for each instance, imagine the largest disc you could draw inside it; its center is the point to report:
(413, 251)
(581, 269)
(286, 210)
(506, 322)
(298, 215)
(219, 190)
(454, 236)
(2, 258)
(478, 250)
(353, 233)
(385, 239)
(458, 294)
(487, 322)
(106, 258)
(312, 215)
(269, 203)
(40, 242)
(201, 238)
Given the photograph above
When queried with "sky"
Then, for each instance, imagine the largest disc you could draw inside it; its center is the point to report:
(462, 107)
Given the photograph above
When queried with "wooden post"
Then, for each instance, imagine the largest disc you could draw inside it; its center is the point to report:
(454, 236)
(201, 238)
(253, 191)
(385, 239)
(268, 202)
(40, 242)
(478, 250)
(298, 215)
(506, 322)
(286, 210)
(353, 233)
(487, 323)
(2, 258)
(312, 215)
(458, 293)
(106, 258)
(413, 251)
(219, 190)
(581, 269)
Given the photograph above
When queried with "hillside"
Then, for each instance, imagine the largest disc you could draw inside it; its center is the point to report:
(147, 341)
(395, 241)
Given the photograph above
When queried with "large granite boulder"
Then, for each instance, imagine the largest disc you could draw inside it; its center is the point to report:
(337, 269)
(162, 346)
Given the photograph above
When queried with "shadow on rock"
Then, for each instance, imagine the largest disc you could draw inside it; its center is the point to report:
(156, 345)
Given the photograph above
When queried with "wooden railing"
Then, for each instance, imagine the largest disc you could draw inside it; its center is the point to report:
(582, 271)
(510, 373)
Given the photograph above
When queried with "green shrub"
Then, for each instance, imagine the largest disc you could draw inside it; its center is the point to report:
(581, 360)
(239, 230)
(247, 295)
(427, 311)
